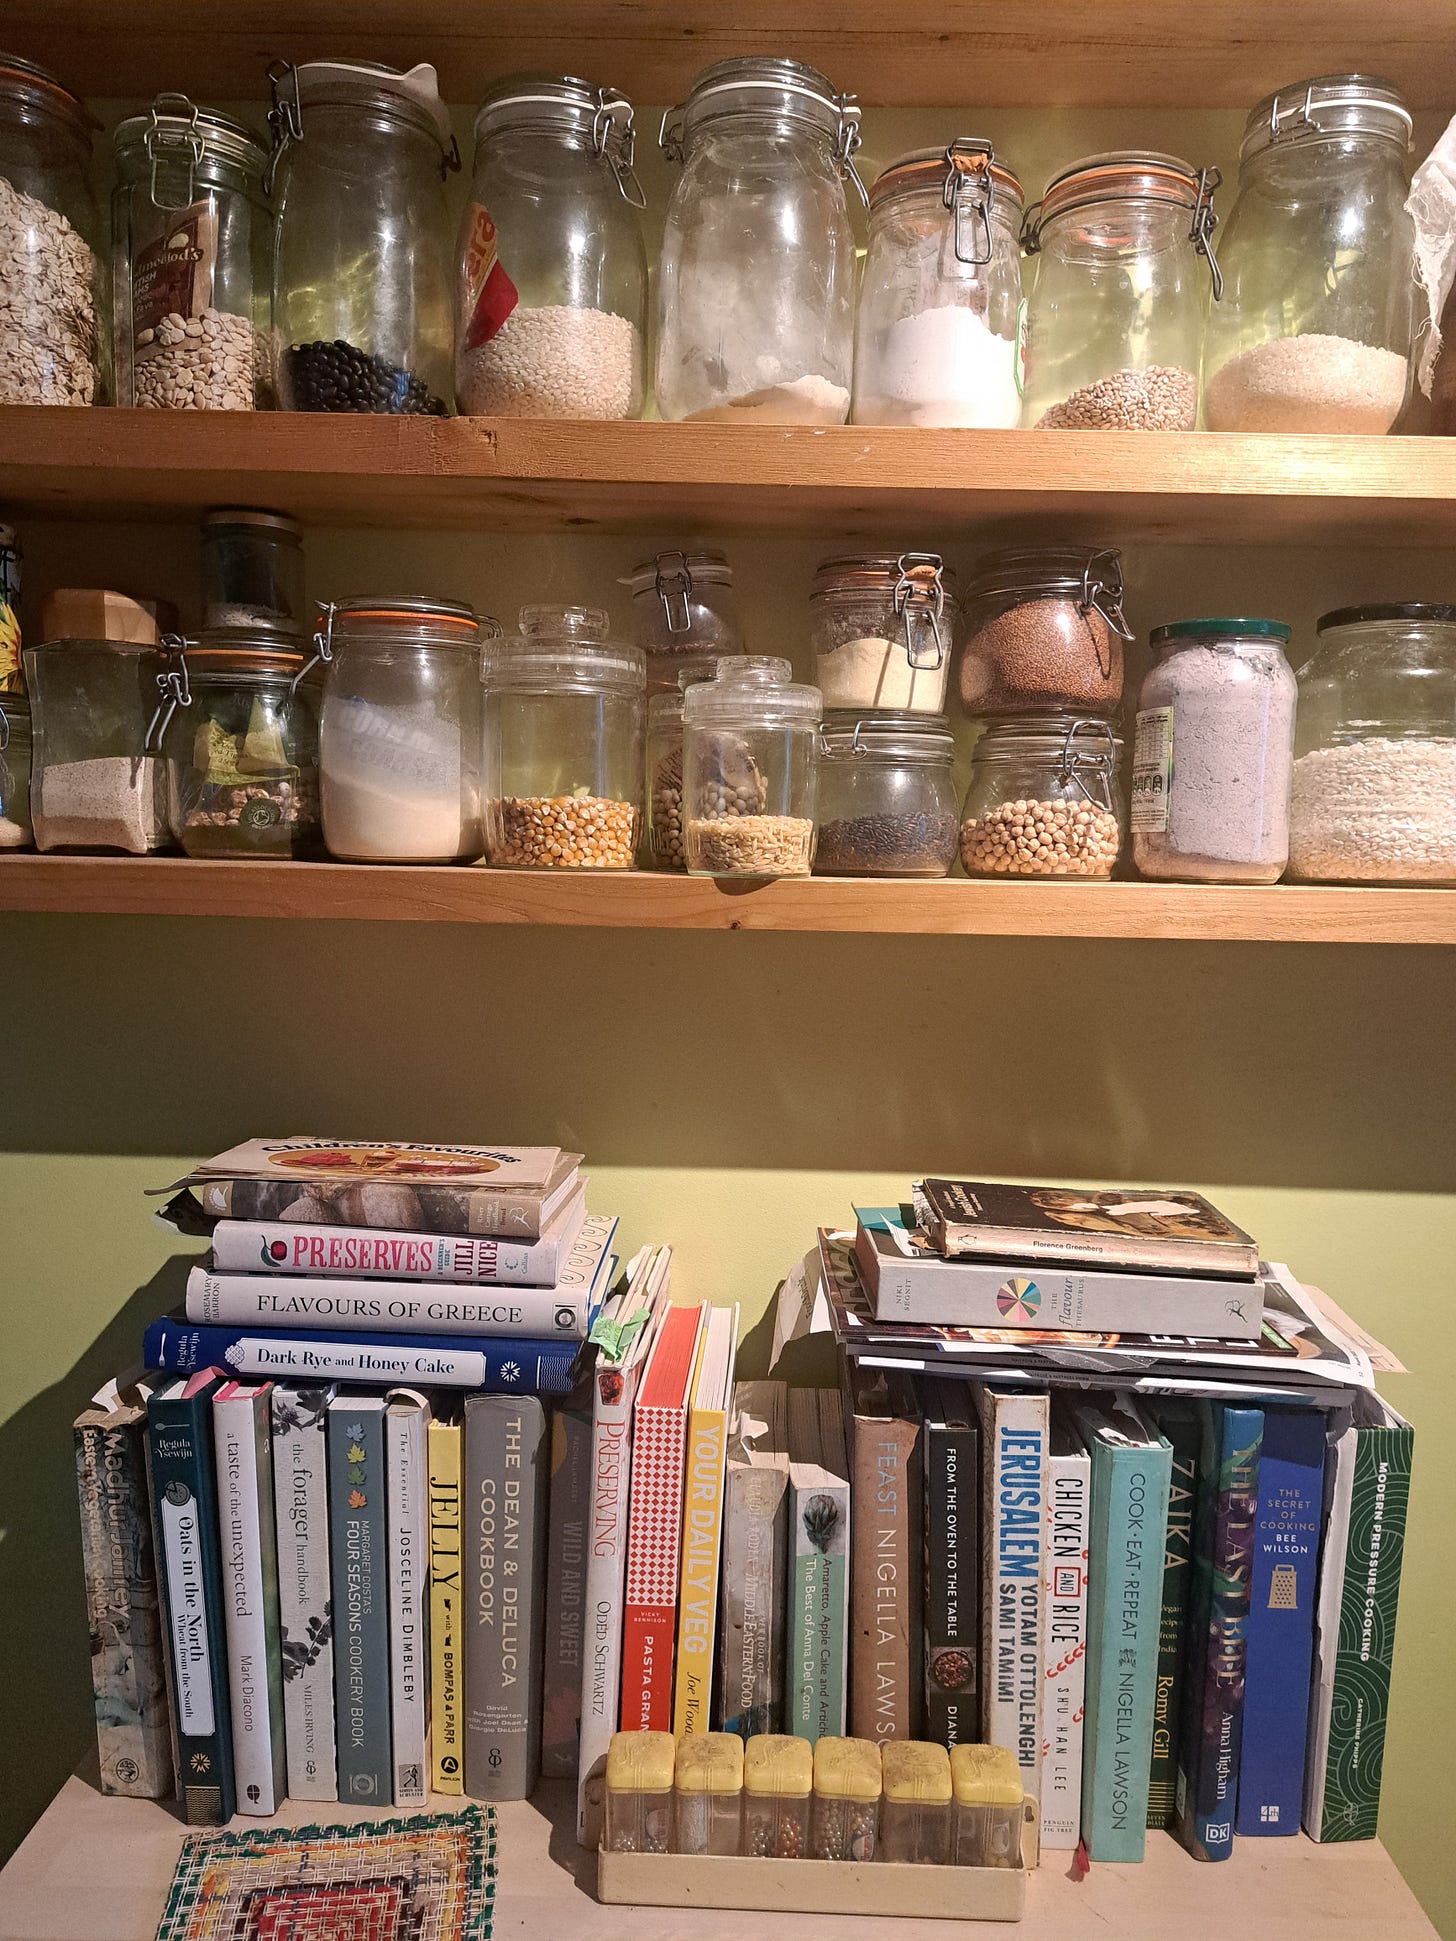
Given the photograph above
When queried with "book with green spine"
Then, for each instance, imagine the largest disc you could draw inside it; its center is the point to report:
(1178, 1421)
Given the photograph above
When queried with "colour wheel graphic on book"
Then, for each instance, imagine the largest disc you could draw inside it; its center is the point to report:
(1018, 1300)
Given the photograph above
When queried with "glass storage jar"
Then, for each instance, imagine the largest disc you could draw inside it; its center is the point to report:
(93, 783)
(252, 571)
(778, 1778)
(986, 1781)
(15, 830)
(1314, 330)
(937, 333)
(192, 261)
(1213, 752)
(639, 1792)
(708, 1793)
(755, 283)
(916, 1814)
(1114, 323)
(399, 731)
(1045, 798)
(562, 775)
(846, 1811)
(553, 273)
(12, 675)
(1044, 629)
(363, 294)
(55, 342)
(665, 845)
(883, 628)
(749, 745)
(239, 737)
(683, 607)
(1374, 785)
(886, 796)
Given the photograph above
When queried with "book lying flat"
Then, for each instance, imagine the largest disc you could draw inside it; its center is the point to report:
(1128, 1227)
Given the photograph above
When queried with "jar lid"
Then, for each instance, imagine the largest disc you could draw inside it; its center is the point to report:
(175, 122)
(918, 579)
(1090, 575)
(640, 1762)
(939, 168)
(223, 651)
(566, 648)
(1126, 175)
(1049, 734)
(225, 517)
(662, 572)
(756, 687)
(778, 1763)
(39, 89)
(1416, 613)
(985, 1776)
(554, 101)
(882, 732)
(765, 85)
(1329, 105)
(846, 1768)
(412, 617)
(1221, 629)
(709, 1762)
(915, 1772)
(365, 82)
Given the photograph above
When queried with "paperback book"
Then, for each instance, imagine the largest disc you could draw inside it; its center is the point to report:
(1014, 1435)
(567, 1515)
(305, 1596)
(820, 1524)
(952, 1446)
(358, 1535)
(702, 1522)
(755, 1554)
(886, 1565)
(1127, 1227)
(406, 1427)
(447, 1600)
(519, 1365)
(1063, 1701)
(243, 1448)
(1178, 1421)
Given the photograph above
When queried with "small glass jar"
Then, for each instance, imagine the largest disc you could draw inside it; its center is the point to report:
(1045, 799)
(915, 1819)
(683, 607)
(240, 740)
(1044, 630)
(778, 1779)
(1114, 325)
(883, 629)
(938, 330)
(252, 571)
(363, 290)
(553, 274)
(986, 1781)
(399, 731)
(749, 747)
(708, 1793)
(846, 1815)
(192, 261)
(562, 772)
(93, 784)
(1374, 785)
(12, 675)
(886, 795)
(1314, 330)
(1212, 758)
(755, 283)
(639, 1792)
(665, 845)
(55, 341)
(15, 829)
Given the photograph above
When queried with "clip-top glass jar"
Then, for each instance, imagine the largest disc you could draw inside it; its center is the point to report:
(666, 847)
(1374, 787)
(1044, 629)
(749, 747)
(399, 731)
(1114, 325)
(755, 285)
(683, 607)
(363, 295)
(1314, 330)
(937, 335)
(563, 743)
(1045, 799)
(94, 784)
(886, 798)
(192, 261)
(55, 343)
(883, 628)
(553, 273)
(15, 830)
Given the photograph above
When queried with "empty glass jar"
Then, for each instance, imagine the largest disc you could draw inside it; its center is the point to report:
(363, 292)
(252, 571)
(1045, 799)
(885, 795)
(553, 274)
(755, 285)
(15, 830)
(749, 749)
(94, 785)
(1044, 629)
(883, 628)
(1314, 330)
(1114, 323)
(683, 607)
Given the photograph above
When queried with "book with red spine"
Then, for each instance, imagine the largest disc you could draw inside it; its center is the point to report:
(654, 1522)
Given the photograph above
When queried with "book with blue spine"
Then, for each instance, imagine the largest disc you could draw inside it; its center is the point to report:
(525, 1365)
(1178, 1421)
(1131, 1466)
(358, 1529)
(1281, 1621)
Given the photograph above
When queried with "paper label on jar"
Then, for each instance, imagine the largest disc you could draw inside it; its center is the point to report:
(174, 258)
(1152, 771)
(490, 295)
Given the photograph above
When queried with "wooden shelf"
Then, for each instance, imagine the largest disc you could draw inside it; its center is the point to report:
(995, 53)
(169, 886)
(517, 475)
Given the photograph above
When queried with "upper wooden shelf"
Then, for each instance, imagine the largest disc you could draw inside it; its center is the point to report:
(933, 53)
(521, 475)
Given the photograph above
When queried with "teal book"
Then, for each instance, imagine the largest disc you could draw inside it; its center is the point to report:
(359, 1565)
(1131, 1471)
(817, 1682)
(1178, 1421)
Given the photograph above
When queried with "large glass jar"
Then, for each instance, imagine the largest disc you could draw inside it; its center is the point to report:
(562, 771)
(755, 285)
(553, 273)
(192, 261)
(363, 293)
(885, 796)
(666, 848)
(1114, 324)
(883, 629)
(399, 731)
(1374, 793)
(239, 737)
(54, 338)
(1314, 330)
(1211, 762)
(1044, 630)
(937, 334)
(252, 571)
(749, 752)
(1044, 800)
(94, 784)
(15, 830)
(683, 608)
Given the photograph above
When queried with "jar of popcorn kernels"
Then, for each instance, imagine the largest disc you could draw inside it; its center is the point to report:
(1045, 799)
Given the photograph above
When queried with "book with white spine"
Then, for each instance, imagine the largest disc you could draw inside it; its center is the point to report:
(406, 1468)
(305, 1604)
(1014, 1428)
(242, 1445)
(1068, 1509)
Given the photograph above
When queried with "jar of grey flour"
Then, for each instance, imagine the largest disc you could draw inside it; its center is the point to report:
(1214, 753)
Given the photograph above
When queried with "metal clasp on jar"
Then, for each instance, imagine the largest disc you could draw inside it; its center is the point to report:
(847, 139)
(614, 136)
(968, 192)
(674, 589)
(174, 688)
(1073, 764)
(161, 145)
(1102, 591)
(1205, 221)
(920, 590)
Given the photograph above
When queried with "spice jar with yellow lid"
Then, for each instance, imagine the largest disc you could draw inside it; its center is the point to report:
(778, 1779)
(846, 1818)
(915, 1822)
(639, 1792)
(986, 1781)
(708, 1793)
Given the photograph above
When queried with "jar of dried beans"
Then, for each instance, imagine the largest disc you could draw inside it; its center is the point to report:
(1114, 323)
(562, 767)
(886, 797)
(883, 628)
(666, 848)
(749, 751)
(15, 829)
(683, 607)
(1044, 630)
(1045, 799)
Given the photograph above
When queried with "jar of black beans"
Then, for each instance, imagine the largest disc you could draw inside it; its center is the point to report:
(887, 798)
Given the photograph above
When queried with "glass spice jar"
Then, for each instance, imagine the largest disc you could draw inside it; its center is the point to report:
(666, 848)
(12, 676)
(883, 629)
(885, 795)
(1044, 630)
(986, 1781)
(15, 829)
(778, 1779)
(683, 604)
(94, 784)
(252, 571)
(708, 1793)
(749, 746)
(915, 1819)
(639, 1792)
(1044, 799)
(846, 1812)
(562, 767)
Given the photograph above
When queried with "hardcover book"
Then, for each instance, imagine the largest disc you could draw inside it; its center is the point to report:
(952, 1445)
(1179, 1423)
(305, 1594)
(1127, 1227)
(1063, 1699)
(755, 1560)
(1014, 1432)
(242, 1443)
(817, 1677)
(886, 1558)
(447, 1603)
(518, 1365)
(406, 1426)
(702, 1522)
(567, 1513)
(358, 1536)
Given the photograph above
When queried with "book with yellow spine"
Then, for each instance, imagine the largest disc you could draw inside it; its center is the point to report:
(702, 1521)
(446, 1617)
